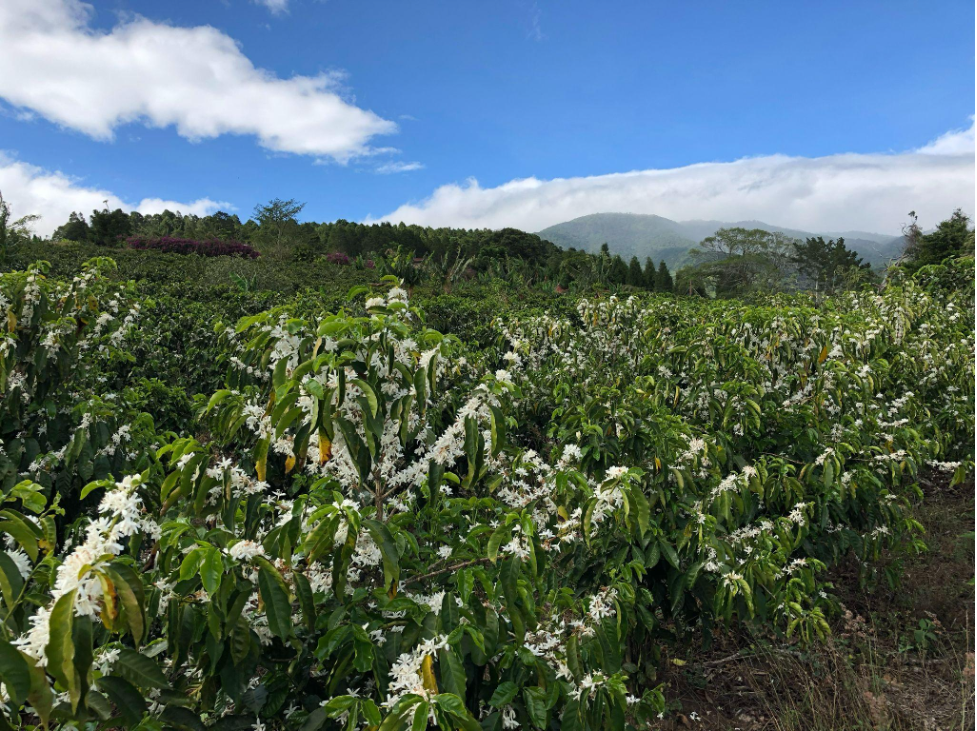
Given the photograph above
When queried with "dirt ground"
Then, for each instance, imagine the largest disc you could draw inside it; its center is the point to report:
(897, 659)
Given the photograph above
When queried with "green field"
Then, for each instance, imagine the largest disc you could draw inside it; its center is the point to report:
(312, 495)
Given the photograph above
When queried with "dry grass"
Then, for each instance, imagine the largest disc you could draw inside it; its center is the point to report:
(898, 660)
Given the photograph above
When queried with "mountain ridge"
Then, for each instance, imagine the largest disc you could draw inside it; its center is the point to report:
(649, 235)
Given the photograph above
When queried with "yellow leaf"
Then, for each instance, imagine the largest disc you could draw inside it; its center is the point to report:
(824, 355)
(109, 610)
(261, 467)
(11, 321)
(562, 512)
(289, 463)
(427, 675)
(325, 448)
(676, 661)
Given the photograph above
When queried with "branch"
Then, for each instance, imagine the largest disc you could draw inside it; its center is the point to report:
(446, 569)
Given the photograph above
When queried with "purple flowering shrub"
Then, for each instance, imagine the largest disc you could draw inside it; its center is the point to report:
(213, 247)
(338, 257)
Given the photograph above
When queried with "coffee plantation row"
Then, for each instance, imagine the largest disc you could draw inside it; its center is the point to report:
(318, 512)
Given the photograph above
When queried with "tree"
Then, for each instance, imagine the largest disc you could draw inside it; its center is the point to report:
(824, 265)
(948, 240)
(619, 270)
(13, 232)
(277, 216)
(76, 229)
(738, 260)
(650, 274)
(224, 225)
(663, 281)
(689, 280)
(636, 277)
(110, 227)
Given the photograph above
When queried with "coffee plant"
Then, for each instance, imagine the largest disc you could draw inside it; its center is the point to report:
(371, 524)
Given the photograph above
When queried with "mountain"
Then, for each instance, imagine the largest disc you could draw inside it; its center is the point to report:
(627, 234)
(641, 235)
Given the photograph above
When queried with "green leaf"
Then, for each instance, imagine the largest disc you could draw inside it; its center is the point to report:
(40, 698)
(388, 551)
(315, 720)
(17, 528)
(495, 540)
(274, 594)
(420, 716)
(15, 673)
(130, 591)
(140, 670)
(211, 569)
(669, 553)
(303, 590)
(368, 391)
(184, 718)
(11, 582)
(504, 694)
(129, 702)
(453, 676)
(60, 650)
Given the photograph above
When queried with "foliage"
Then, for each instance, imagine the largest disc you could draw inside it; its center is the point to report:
(110, 228)
(952, 237)
(277, 217)
(13, 232)
(826, 264)
(370, 523)
(736, 261)
(169, 245)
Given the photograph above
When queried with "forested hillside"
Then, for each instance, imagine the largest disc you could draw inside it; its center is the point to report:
(631, 234)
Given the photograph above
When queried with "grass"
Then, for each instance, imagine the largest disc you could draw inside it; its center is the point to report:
(898, 659)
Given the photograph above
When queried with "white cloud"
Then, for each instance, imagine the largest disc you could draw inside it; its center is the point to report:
(53, 195)
(398, 167)
(196, 79)
(954, 142)
(869, 192)
(277, 7)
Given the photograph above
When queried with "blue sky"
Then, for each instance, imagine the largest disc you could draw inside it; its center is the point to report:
(499, 92)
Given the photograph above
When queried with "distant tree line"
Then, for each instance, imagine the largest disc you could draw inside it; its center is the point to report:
(274, 229)
(736, 261)
(732, 262)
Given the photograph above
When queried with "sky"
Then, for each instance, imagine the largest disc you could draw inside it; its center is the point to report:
(821, 115)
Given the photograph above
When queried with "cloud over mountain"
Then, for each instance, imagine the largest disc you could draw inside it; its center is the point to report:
(843, 191)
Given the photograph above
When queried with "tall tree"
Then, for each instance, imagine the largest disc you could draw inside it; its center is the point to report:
(650, 274)
(619, 270)
(663, 282)
(13, 232)
(737, 260)
(76, 229)
(823, 265)
(110, 227)
(636, 277)
(276, 217)
(949, 239)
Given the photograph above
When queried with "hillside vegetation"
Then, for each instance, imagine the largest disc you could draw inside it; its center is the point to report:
(633, 234)
(320, 492)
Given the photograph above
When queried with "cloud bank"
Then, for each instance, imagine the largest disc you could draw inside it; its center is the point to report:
(868, 192)
(53, 63)
(30, 189)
